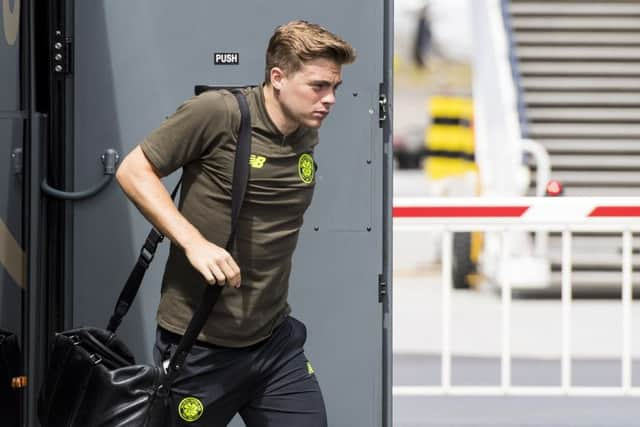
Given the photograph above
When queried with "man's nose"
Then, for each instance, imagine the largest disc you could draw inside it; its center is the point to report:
(329, 98)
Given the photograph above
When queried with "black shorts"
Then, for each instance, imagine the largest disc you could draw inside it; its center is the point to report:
(269, 384)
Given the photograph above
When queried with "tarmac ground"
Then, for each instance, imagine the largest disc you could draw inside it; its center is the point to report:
(536, 348)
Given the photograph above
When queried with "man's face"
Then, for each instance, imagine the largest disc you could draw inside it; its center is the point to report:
(307, 95)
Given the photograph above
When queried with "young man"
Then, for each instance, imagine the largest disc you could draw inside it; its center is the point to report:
(249, 356)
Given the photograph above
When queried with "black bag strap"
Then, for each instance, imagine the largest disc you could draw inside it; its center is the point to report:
(147, 252)
(132, 285)
(212, 292)
(198, 89)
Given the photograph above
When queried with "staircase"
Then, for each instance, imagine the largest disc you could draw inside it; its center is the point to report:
(578, 66)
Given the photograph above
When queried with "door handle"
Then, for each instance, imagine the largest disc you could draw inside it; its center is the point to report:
(109, 159)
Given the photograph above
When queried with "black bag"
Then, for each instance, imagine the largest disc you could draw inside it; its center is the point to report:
(93, 380)
(10, 375)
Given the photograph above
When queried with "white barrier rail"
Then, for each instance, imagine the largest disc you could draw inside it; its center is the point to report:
(506, 215)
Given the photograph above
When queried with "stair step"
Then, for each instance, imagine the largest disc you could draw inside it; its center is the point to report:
(594, 278)
(608, 162)
(591, 115)
(590, 191)
(576, 38)
(573, 52)
(610, 260)
(603, 145)
(608, 240)
(581, 98)
(537, 130)
(560, 68)
(573, 23)
(596, 178)
(582, 8)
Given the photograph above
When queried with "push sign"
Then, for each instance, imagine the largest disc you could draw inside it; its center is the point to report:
(226, 58)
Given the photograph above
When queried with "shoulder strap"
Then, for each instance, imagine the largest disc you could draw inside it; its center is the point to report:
(212, 292)
(239, 185)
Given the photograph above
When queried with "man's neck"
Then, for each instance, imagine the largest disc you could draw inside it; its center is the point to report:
(274, 110)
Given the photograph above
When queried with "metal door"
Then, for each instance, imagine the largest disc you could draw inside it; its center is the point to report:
(134, 63)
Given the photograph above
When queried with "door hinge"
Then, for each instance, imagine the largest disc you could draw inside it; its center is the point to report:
(382, 288)
(18, 165)
(383, 105)
(62, 51)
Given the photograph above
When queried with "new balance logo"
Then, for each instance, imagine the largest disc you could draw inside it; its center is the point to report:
(257, 161)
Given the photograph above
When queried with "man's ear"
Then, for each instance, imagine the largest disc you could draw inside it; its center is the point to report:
(277, 75)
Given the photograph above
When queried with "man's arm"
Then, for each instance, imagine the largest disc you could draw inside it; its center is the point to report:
(141, 183)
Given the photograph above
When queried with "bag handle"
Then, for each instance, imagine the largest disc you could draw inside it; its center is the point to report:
(147, 252)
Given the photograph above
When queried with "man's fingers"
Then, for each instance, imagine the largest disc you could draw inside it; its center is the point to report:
(218, 267)
(234, 278)
(210, 278)
(218, 276)
(224, 273)
(207, 273)
(230, 273)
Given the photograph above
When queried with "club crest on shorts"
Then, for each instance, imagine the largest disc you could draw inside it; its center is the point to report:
(190, 409)
(306, 168)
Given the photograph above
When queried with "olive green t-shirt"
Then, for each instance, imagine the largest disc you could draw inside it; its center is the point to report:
(201, 137)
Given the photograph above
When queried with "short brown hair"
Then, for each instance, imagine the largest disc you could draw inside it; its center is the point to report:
(296, 42)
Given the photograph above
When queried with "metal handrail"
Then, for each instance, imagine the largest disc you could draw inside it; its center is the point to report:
(543, 175)
(109, 159)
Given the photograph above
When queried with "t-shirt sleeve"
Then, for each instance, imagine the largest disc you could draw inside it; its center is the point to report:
(196, 127)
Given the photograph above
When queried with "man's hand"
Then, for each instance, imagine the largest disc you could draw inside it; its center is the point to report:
(214, 263)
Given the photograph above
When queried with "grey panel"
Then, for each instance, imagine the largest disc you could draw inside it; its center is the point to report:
(10, 227)
(336, 296)
(347, 144)
(135, 62)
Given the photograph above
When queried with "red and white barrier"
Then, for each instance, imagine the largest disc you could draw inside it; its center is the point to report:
(507, 215)
(518, 211)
